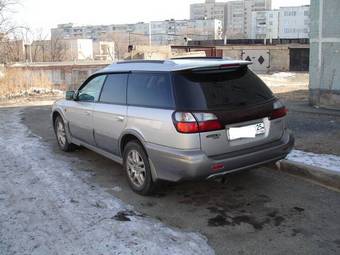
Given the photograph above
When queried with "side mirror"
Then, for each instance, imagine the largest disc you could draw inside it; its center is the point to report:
(70, 95)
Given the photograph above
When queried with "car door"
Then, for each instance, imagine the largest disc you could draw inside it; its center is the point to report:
(80, 111)
(109, 114)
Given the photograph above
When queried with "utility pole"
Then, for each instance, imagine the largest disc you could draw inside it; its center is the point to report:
(150, 35)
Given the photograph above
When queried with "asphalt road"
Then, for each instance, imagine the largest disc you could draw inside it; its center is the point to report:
(314, 132)
(262, 211)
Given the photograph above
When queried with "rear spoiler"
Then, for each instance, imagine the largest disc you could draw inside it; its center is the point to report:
(222, 67)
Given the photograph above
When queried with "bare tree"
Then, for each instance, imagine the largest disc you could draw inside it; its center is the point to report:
(123, 39)
(6, 9)
(40, 47)
(58, 49)
(11, 35)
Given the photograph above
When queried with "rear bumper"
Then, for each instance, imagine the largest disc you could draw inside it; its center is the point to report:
(177, 165)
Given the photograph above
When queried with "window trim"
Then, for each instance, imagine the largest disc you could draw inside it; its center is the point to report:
(90, 78)
(126, 88)
(173, 107)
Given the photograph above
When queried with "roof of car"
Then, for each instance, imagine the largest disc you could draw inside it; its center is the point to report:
(170, 65)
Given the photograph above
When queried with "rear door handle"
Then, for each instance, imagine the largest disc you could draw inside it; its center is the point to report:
(120, 118)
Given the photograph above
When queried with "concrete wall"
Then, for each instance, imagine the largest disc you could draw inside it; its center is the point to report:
(275, 57)
(325, 53)
(62, 75)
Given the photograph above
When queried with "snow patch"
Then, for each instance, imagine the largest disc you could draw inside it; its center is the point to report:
(327, 161)
(283, 75)
(117, 189)
(46, 208)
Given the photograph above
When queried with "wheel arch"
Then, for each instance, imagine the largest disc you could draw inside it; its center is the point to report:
(58, 112)
(130, 135)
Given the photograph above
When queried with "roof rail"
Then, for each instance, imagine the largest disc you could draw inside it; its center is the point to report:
(197, 58)
(141, 61)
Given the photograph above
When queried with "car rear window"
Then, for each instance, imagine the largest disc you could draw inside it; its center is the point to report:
(219, 90)
(150, 89)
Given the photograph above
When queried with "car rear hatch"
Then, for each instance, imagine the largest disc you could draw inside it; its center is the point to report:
(248, 113)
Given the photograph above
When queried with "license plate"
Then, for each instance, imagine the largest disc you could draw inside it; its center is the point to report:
(250, 131)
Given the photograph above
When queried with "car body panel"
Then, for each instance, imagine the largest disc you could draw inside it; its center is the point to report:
(157, 127)
(80, 120)
(109, 122)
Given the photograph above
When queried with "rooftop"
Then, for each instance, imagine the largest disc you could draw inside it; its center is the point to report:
(171, 65)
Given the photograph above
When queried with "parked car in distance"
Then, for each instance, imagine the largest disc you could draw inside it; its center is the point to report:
(175, 120)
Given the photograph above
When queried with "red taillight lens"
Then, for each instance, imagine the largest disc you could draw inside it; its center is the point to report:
(186, 122)
(278, 113)
(187, 127)
(209, 125)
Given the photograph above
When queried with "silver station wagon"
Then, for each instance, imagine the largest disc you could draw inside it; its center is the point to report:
(175, 120)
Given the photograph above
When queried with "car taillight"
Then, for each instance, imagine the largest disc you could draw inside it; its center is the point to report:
(279, 111)
(186, 122)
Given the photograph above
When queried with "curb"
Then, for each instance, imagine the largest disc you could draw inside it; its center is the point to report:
(319, 175)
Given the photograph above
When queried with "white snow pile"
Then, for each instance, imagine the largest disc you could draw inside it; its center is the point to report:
(45, 208)
(33, 91)
(283, 75)
(326, 161)
(37, 90)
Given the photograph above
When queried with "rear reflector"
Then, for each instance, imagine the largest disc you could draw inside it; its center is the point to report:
(278, 113)
(217, 167)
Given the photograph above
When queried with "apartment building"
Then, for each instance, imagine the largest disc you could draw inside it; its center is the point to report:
(294, 22)
(69, 31)
(208, 10)
(234, 19)
(285, 23)
(265, 25)
(236, 16)
(162, 32)
(179, 31)
(249, 7)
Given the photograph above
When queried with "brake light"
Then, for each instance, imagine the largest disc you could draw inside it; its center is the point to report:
(209, 125)
(278, 113)
(229, 66)
(279, 110)
(187, 127)
(186, 122)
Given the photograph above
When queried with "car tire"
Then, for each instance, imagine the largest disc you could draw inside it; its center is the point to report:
(137, 169)
(60, 133)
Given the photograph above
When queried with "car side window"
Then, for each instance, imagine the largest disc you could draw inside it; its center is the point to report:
(90, 92)
(114, 90)
(150, 89)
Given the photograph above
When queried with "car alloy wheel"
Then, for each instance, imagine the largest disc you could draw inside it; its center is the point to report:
(136, 168)
(61, 133)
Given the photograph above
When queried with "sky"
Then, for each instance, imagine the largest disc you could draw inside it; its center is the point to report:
(45, 14)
